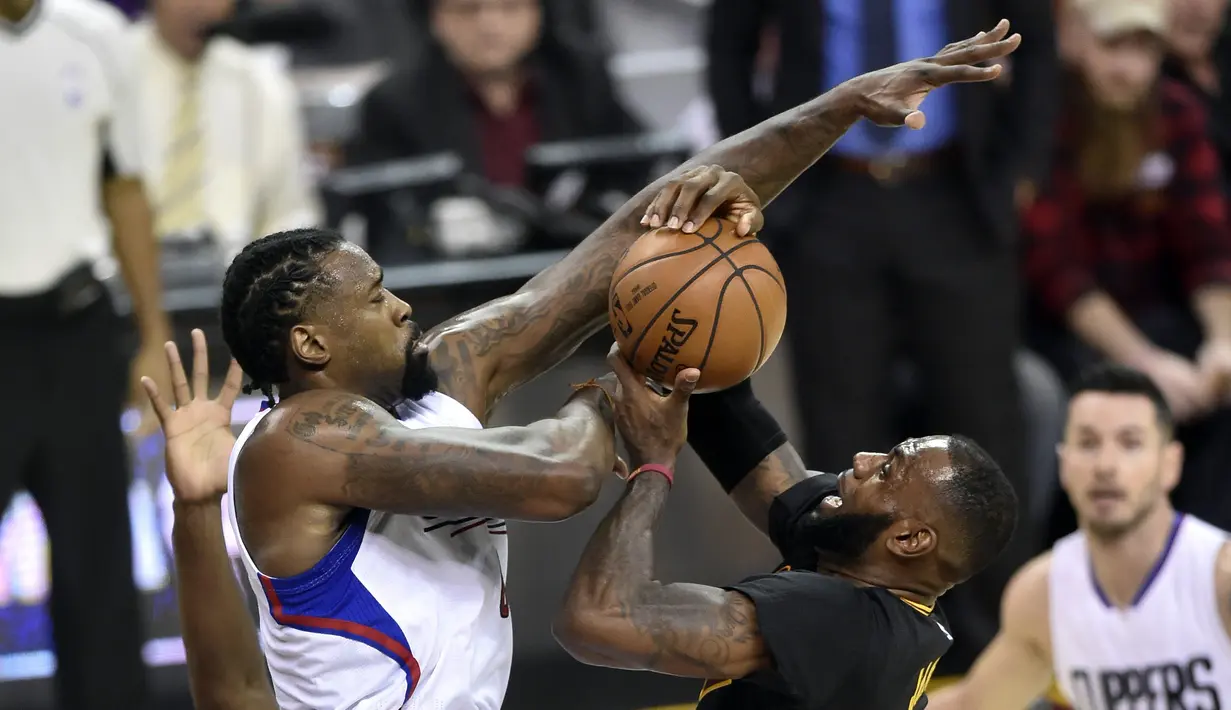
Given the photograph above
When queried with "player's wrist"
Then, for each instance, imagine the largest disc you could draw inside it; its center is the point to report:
(210, 502)
(658, 472)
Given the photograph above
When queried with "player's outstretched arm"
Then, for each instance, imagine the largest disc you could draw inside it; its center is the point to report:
(353, 453)
(225, 667)
(482, 354)
(1015, 669)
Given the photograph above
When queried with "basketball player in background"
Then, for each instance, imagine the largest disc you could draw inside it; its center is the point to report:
(1134, 609)
(369, 500)
(850, 621)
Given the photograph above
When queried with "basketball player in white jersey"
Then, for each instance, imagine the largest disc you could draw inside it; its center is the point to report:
(1133, 611)
(370, 502)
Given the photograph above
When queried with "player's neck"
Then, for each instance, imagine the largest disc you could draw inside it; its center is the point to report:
(386, 398)
(873, 578)
(15, 11)
(1121, 564)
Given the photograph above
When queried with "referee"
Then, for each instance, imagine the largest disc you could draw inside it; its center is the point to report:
(65, 191)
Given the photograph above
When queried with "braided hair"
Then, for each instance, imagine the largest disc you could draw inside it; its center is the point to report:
(264, 295)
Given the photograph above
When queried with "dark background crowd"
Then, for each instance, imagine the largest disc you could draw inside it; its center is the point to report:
(950, 279)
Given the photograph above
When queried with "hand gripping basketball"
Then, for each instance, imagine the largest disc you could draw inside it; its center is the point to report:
(654, 426)
(710, 300)
(689, 199)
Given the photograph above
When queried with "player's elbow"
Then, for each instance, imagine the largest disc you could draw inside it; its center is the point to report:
(575, 487)
(579, 632)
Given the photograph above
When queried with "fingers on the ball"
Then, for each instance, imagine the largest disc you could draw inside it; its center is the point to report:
(685, 382)
(661, 205)
(179, 381)
(711, 200)
(689, 201)
(623, 371)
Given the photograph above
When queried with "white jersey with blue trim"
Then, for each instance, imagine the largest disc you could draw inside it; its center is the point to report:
(1167, 649)
(405, 611)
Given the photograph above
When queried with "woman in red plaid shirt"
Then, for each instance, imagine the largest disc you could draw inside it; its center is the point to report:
(1128, 252)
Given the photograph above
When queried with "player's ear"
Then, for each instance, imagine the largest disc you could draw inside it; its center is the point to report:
(910, 538)
(309, 346)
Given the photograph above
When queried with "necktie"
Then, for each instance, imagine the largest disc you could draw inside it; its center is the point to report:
(181, 209)
(880, 50)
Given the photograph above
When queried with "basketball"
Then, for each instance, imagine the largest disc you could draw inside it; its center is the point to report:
(711, 300)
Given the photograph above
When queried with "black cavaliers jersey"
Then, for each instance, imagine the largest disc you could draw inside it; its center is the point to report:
(835, 645)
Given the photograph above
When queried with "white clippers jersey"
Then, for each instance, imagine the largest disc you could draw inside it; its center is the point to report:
(404, 612)
(1167, 651)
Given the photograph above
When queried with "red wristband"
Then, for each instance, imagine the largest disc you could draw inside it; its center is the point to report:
(656, 468)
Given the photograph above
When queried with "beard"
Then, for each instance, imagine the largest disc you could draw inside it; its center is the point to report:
(418, 378)
(843, 538)
(1111, 532)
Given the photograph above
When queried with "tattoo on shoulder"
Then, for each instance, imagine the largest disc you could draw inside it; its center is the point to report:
(342, 414)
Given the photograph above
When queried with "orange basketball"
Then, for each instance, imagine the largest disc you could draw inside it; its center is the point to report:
(711, 300)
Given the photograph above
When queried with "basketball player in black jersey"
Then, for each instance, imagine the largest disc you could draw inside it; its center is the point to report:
(849, 622)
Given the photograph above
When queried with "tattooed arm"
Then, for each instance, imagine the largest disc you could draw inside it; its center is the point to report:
(616, 615)
(484, 353)
(348, 452)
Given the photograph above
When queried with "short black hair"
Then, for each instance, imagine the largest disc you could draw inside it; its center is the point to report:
(1111, 378)
(265, 293)
(982, 500)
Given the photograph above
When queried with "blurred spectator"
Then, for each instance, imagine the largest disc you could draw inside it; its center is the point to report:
(223, 150)
(1128, 252)
(1200, 56)
(495, 78)
(903, 242)
(67, 170)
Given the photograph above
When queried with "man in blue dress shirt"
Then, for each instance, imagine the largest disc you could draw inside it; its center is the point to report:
(899, 247)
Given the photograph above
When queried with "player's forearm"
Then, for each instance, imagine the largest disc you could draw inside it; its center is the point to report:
(1102, 325)
(776, 473)
(617, 567)
(772, 154)
(744, 448)
(605, 616)
(225, 666)
(616, 615)
(362, 457)
(137, 251)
